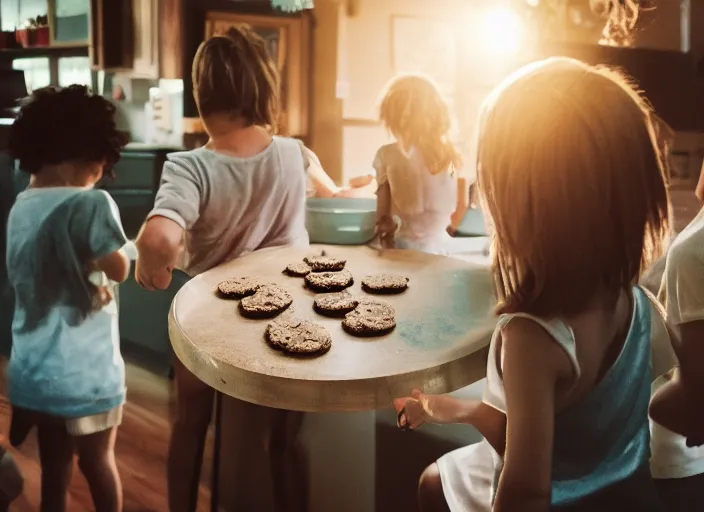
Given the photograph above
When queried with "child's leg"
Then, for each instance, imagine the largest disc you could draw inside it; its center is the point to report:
(96, 459)
(11, 482)
(430, 495)
(682, 494)
(288, 464)
(194, 411)
(56, 458)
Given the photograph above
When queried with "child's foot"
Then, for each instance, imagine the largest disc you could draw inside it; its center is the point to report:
(11, 481)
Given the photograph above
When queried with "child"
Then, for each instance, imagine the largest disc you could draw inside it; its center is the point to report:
(677, 467)
(574, 186)
(66, 374)
(417, 175)
(245, 191)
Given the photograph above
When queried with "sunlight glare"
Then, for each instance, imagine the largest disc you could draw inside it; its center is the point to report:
(501, 31)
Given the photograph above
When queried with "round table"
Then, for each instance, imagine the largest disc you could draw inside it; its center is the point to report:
(444, 324)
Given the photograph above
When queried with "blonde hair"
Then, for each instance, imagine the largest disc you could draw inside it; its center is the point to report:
(234, 75)
(572, 180)
(413, 110)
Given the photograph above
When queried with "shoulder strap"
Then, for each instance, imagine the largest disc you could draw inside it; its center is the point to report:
(558, 331)
(563, 335)
(662, 336)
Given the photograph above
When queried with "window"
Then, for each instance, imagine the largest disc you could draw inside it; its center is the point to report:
(36, 72)
(75, 70)
(62, 71)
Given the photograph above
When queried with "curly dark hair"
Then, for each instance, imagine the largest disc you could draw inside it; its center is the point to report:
(71, 124)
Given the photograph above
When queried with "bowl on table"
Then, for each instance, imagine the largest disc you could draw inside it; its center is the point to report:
(341, 221)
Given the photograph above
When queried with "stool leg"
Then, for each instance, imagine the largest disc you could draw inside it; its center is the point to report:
(215, 484)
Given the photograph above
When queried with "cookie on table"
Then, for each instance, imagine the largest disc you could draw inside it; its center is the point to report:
(238, 287)
(335, 304)
(328, 282)
(296, 336)
(385, 284)
(268, 301)
(300, 269)
(370, 318)
(325, 263)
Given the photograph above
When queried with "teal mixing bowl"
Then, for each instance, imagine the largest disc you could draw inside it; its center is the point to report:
(341, 221)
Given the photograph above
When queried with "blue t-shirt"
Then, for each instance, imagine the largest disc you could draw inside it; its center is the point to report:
(63, 362)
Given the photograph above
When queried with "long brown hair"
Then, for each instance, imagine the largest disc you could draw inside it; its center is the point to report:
(413, 110)
(573, 183)
(234, 75)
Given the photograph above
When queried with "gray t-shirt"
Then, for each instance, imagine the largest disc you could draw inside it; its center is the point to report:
(231, 206)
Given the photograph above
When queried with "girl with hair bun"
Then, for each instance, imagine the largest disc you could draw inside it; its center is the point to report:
(244, 191)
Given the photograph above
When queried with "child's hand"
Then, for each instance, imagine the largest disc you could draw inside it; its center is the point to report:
(412, 411)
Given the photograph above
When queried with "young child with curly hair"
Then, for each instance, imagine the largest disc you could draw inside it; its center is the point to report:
(64, 251)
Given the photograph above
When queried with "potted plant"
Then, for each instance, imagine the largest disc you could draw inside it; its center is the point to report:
(23, 35)
(34, 33)
(41, 34)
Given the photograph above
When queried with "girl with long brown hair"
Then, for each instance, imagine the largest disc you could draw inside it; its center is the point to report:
(572, 180)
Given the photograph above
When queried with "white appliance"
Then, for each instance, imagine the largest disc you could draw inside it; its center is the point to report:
(164, 114)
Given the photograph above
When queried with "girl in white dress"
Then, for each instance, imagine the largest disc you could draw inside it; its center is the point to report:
(574, 186)
(420, 196)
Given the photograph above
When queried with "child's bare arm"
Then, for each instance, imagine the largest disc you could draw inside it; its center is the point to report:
(679, 405)
(446, 409)
(699, 191)
(532, 366)
(462, 204)
(116, 266)
(159, 244)
(176, 209)
(322, 183)
(385, 225)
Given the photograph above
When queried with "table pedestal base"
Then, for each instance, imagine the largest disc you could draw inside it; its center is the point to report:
(340, 449)
(342, 460)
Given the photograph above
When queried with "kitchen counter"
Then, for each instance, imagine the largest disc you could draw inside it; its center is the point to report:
(143, 146)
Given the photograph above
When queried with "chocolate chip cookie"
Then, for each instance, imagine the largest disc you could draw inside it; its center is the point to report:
(300, 269)
(296, 336)
(385, 284)
(335, 304)
(268, 301)
(370, 318)
(327, 282)
(325, 263)
(238, 287)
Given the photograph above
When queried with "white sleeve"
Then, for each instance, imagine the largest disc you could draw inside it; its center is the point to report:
(683, 283)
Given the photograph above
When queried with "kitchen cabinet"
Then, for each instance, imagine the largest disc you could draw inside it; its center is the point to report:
(145, 19)
(141, 38)
(69, 21)
(157, 27)
(111, 47)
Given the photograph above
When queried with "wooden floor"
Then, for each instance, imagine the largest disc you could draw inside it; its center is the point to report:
(141, 451)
